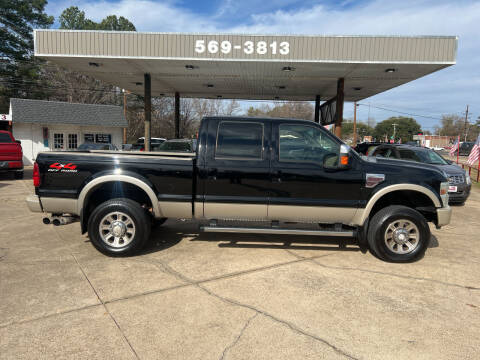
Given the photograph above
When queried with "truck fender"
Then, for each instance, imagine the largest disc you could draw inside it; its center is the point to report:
(362, 214)
(118, 178)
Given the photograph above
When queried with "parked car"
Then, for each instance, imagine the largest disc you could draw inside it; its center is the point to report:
(245, 171)
(86, 146)
(11, 155)
(178, 145)
(154, 144)
(459, 180)
(366, 147)
(465, 148)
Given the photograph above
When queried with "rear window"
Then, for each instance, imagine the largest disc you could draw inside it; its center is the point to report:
(5, 138)
(239, 140)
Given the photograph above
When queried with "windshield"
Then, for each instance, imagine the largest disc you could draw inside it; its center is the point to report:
(5, 138)
(422, 155)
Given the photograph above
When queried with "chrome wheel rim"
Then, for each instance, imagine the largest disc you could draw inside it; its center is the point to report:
(117, 229)
(402, 236)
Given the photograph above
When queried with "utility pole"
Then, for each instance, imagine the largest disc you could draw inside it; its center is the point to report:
(466, 123)
(394, 131)
(355, 123)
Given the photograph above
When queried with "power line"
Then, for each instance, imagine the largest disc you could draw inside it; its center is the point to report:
(401, 112)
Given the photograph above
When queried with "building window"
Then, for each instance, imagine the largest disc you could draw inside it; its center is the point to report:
(58, 141)
(98, 138)
(103, 138)
(72, 141)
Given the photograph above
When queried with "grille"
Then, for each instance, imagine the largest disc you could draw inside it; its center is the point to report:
(456, 179)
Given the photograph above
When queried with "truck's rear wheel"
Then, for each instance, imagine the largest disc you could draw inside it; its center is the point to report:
(119, 227)
(398, 234)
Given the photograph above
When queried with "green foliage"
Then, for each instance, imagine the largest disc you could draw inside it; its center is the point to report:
(289, 109)
(73, 18)
(17, 68)
(405, 129)
(362, 130)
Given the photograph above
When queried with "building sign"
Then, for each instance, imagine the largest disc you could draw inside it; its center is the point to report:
(248, 47)
(5, 117)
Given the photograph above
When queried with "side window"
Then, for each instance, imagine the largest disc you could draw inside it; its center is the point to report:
(239, 141)
(304, 143)
(384, 152)
(408, 155)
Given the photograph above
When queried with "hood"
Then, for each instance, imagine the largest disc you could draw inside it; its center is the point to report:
(405, 163)
(451, 169)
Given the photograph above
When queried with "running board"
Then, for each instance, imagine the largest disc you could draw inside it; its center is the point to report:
(249, 230)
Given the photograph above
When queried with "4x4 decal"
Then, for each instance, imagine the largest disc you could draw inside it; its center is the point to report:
(57, 167)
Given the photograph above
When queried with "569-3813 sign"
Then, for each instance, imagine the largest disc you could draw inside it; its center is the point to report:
(248, 47)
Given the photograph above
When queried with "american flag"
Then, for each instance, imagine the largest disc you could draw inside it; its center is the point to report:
(474, 154)
(454, 148)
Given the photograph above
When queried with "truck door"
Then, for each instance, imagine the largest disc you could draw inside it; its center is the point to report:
(236, 175)
(301, 188)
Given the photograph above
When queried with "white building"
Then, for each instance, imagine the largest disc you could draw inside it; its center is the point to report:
(52, 125)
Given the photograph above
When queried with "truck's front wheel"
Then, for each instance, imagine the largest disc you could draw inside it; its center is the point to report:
(119, 227)
(398, 234)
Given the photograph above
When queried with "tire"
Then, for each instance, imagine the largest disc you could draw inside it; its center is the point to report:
(398, 234)
(18, 175)
(132, 227)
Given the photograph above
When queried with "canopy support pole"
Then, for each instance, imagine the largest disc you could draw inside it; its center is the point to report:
(317, 109)
(177, 115)
(339, 110)
(148, 109)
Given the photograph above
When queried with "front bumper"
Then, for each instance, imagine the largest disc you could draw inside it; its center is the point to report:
(33, 203)
(461, 195)
(444, 215)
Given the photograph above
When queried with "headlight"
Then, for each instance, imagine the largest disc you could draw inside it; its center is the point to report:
(444, 193)
(468, 181)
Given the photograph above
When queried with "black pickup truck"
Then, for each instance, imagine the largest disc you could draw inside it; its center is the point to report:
(250, 175)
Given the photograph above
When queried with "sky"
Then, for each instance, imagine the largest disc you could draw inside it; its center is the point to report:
(447, 91)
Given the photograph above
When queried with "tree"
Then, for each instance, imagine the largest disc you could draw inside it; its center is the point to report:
(73, 18)
(405, 128)
(289, 109)
(71, 86)
(18, 70)
(362, 130)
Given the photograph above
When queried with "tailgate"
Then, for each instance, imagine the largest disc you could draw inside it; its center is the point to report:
(10, 151)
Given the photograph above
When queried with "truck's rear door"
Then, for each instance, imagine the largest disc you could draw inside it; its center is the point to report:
(235, 176)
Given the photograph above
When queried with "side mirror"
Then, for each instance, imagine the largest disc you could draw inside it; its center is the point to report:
(450, 162)
(18, 142)
(341, 161)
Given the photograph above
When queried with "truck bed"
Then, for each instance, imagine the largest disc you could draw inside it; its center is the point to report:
(65, 173)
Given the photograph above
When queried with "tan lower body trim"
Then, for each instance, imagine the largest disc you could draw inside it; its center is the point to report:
(60, 205)
(235, 211)
(175, 209)
(320, 214)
